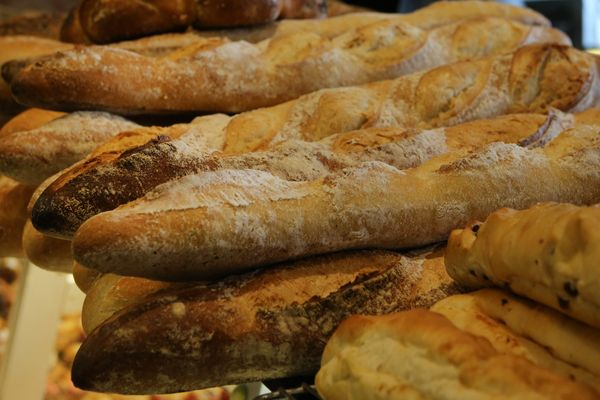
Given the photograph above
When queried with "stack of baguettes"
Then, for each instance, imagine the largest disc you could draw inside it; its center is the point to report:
(229, 248)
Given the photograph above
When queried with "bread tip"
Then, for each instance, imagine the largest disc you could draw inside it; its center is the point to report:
(49, 220)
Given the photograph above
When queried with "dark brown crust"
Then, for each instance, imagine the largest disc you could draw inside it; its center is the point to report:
(45, 25)
(64, 206)
(148, 349)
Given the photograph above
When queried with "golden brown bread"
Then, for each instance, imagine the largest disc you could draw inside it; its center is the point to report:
(521, 327)
(419, 354)
(19, 47)
(549, 253)
(14, 197)
(566, 78)
(27, 120)
(33, 23)
(84, 277)
(103, 183)
(265, 324)
(31, 156)
(215, 223)
(94, 21)
(47, 252)
(239, 76)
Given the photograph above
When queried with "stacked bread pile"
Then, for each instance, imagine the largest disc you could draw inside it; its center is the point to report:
(229, 248)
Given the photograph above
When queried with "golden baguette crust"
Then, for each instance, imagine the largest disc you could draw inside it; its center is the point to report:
(548, 253)
(239, 76)
(565, 78)
(84, 277)
(218, 222)
(47, 252)
(18, 47)
(266, 324)
(517, 326)
(14, 197)
(419, 354)
(27, 120)
(31, 156)
(102, 183)
(78, 30)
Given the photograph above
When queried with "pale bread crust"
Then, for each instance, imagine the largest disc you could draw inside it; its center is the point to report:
(523, 328)
(269, 324)
(47, 252)
(219, 222)
(240, 76)
(548, 254)
(27, 120)
(419, 354)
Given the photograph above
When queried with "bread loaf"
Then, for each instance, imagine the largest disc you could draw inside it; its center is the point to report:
(17, 47)
(31, 156)
(84, 277)
(523, 328)
(114, 20)
(548, 253)
(567, 79)
(428, 17)
(419, 354)
(239, 76)
(265, 324)
(46, 252)
(215, 223)
(33, 23)
(27, 120)
(14, 197)
(89, 190)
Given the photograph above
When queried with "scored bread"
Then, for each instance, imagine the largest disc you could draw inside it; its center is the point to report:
(218, 222)
(239, 76)
(524, 328)
(548, 253)
(427, 17)
(420, 354)
(566, 79)
(262, 325)
(31, 156)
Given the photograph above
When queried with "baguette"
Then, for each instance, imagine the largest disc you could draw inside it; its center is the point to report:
(14, 197)
(84, 277)
(28, 120)
(262, 325)
(420, 354)
(549, 254)
(46, 252)
(83, 192)
(239, 76)
(523, 328)
(106, 21)
(31, 156)
(567, 79)
(17, 47)
(216, 223)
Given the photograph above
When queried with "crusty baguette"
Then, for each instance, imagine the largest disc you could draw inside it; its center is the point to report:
(105, 21)
(47, 252)
(265, 324)
(93, 188)
(215, 223)
(27, 120)
(521, 327)
(81, 27)
(419, 354)
(17, 47)
(549, 253)
(14, 197)
(240, 76)
(566, 79)
(109, 294)
(31, 156)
